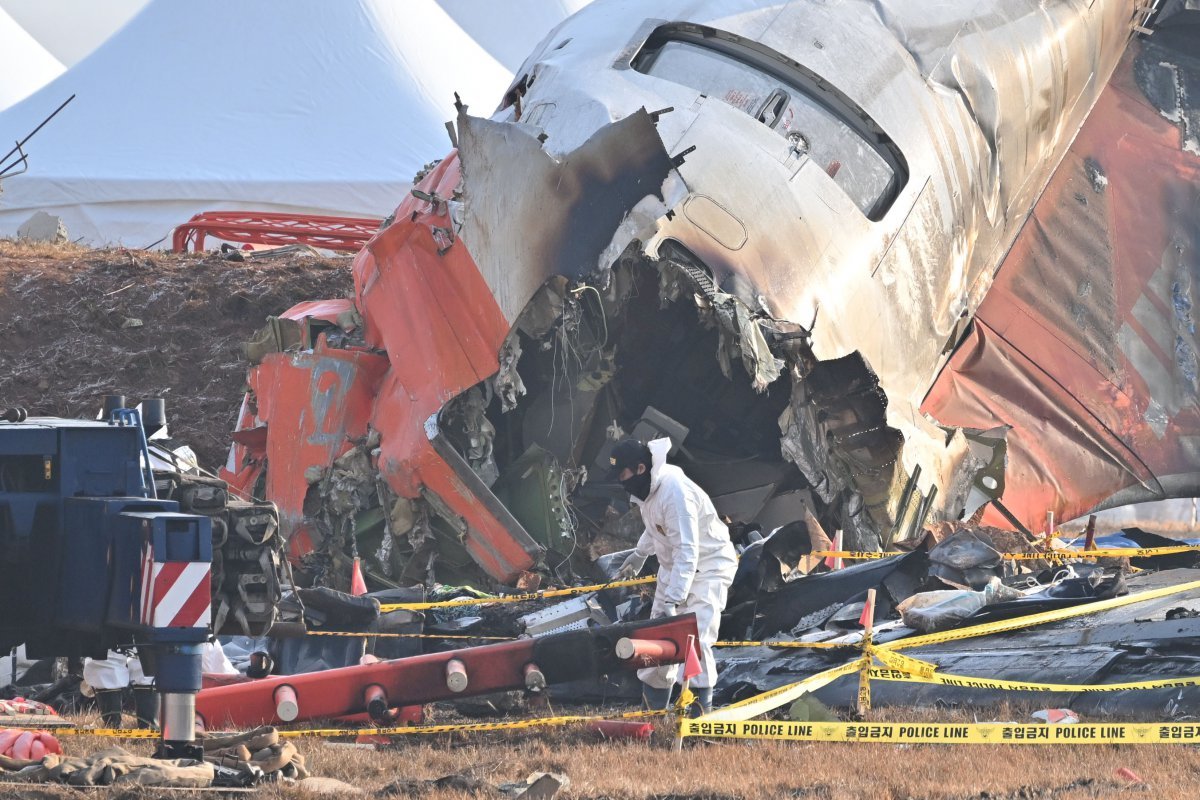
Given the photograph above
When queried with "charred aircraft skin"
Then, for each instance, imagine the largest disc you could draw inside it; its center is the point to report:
(813, 196)
(1087, 337)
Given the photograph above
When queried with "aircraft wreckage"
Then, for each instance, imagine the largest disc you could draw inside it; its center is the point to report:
(881, 263)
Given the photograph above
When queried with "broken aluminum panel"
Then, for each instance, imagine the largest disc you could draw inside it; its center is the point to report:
(1086, 344)
(569, 615)
(1129, 643)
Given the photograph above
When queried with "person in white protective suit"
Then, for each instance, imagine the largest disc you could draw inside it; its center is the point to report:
(109, 676)
(696, 560)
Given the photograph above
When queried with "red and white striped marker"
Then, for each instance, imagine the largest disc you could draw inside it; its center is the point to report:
(835, 562)
(175, 594)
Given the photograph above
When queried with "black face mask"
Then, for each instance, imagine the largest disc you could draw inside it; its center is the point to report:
(638, 485)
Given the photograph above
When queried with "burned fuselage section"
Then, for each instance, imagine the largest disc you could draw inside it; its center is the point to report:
(758, 230)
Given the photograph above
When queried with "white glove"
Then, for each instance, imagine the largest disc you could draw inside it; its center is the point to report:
(631, 566)
(667, 611)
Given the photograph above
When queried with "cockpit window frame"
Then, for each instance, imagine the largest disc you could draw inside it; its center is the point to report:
(792, 74)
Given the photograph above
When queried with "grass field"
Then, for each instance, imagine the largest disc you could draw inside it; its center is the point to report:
(729, 769)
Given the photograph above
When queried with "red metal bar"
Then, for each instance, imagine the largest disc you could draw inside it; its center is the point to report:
(347, 234)
(376, 699)
(576, 655)
(456, 676)
(648, 652)
(286, 706)
(535, 680)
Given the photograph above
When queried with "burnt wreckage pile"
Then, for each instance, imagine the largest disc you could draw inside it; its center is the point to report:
(768, 434)
(650, 348)
(452, 423)
(969, 578)
(791, 449)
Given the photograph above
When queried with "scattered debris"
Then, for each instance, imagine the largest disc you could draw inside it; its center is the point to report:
(115, 766)
(245, 758)
(1125, 773)
(538, 786)
(936, 611)
(810, 709)
(459, 781)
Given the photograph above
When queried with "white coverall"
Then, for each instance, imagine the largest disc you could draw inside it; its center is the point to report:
(115, 672)
(696, 560)
(119, 670)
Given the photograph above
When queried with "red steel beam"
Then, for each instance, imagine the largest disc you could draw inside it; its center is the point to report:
(575, 655)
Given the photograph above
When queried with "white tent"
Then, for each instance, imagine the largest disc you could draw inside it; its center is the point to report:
(25, 67)
(70, 29)
(510, 30)
(275, 105)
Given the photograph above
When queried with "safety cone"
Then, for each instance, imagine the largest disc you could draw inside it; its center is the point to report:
(357, 584)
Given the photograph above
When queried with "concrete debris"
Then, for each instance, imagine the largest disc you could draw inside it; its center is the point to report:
(542, 786)
(43, 227)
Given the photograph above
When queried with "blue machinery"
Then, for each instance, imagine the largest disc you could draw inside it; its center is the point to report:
(90, 560)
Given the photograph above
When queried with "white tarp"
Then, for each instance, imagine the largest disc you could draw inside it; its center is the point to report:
(510, 30)
(70, 29)
(25, 67)
(273, 105)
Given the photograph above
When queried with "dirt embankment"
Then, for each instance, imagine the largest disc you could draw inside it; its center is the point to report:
(77, 324)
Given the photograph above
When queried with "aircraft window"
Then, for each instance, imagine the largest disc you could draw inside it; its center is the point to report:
(871, 174)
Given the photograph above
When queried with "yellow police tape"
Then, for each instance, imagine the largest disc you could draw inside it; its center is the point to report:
(1056, 555)
(797, 645)
(898, 667)
(371, 635)
(1033, 620)
(902, 663)
(1041, 555)
(515, 598)
(412, 730)
(766, 643)
(948, 733)
(770, 700)
(947, 679)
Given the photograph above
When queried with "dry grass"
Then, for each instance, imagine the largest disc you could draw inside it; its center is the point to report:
(23, 248)
(738, 769)
(78, 324)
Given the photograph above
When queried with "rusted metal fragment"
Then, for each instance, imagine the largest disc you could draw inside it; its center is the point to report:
(1086, 344)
